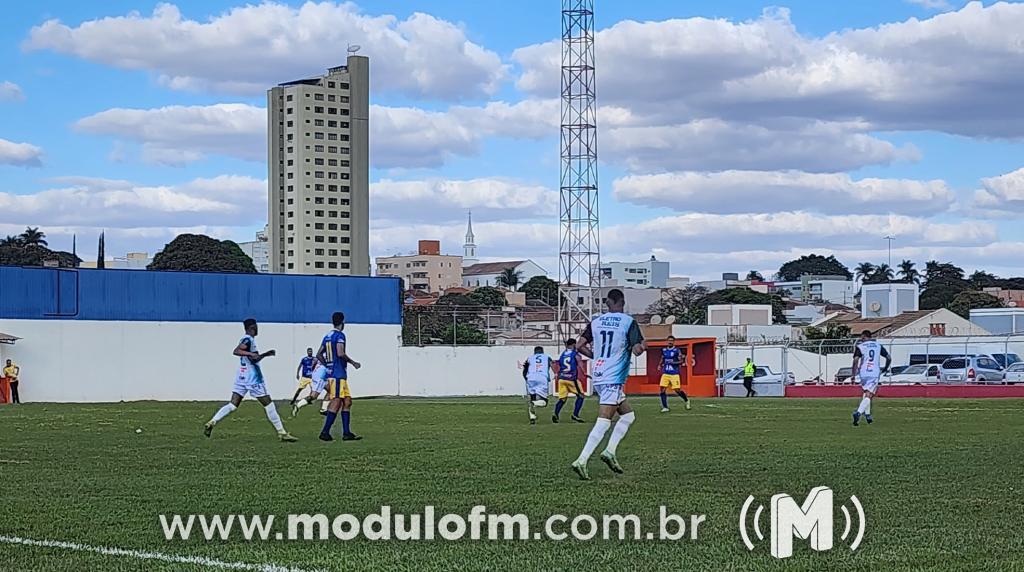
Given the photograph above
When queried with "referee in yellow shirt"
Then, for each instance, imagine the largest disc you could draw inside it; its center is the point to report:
(11, 372)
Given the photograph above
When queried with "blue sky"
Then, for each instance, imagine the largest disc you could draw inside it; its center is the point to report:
(735, 135)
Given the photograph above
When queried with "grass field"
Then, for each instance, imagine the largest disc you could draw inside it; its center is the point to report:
(941, 482)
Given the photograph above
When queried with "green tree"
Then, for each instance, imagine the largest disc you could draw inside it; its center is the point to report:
(10, 241)
(754, 275)
(864, 270)
(36, 255)
(200, 253)
(942, 282)
(969, 300)
(509, 278)
(487, 297)
(908, 272)
(678, 302)
(831, 331)
(699, 312)
(33, 236)
(541, 288)
(813, 264)
(463, 334)
(882, 274)
(981, 279)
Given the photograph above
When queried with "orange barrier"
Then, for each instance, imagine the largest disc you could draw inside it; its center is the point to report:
(5, 390)
(697, 374)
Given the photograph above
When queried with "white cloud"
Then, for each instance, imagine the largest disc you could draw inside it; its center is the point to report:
(777, 191)
(495, 240)
(931, 4)
(248, 49)
(20, 154)
(90, 202)
(1002, 195)
(11, 92)
(440, 201)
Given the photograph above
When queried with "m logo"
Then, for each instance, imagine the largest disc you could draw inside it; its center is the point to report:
(813, 520)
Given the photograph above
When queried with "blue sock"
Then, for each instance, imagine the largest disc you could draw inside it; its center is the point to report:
(664, 400)
(558, 407)
(576, 408)
(344, 421)
(328, 422)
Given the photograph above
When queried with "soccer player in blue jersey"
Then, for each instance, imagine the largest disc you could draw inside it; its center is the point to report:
(568, 381)
(332, 351)
(317, 386)
(304, 373)
(250, 381)
(610, 341)
(671, 360)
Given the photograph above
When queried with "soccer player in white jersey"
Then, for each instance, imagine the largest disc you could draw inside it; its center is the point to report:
(610, 341)
(865, 365)
(250, 381)
(537, 374)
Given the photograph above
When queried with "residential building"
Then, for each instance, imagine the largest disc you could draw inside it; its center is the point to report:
(677, 282)
(1009, 298)
(830, 289)
(487, 273)
(426, 271)
(999, 321)
(888, 300)
(805, 313)
(258, 250)
(638, 299)
(647, 274)
(740, 315)
(318, 162)
(130, 261)
(916, 323)
(732, 280)
(469, 248)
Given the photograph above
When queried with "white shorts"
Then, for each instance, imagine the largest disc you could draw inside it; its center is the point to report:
(538, 388)
(244, 386)
(869, 383)
(610, 394)
(319, 379)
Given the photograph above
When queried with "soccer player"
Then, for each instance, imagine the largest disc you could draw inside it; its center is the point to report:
(670, 362)
(318, 382)
(332, 351)
(250, 381)
(865, 365)
(568, 381)
(537, 374)
(610, 341)
(304, 373)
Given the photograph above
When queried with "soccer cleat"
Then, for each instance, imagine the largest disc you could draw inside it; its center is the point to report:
(350, 437)
(323, 412)
(578, 419)
(664, 409)
(687, 405)
(581, 470)
(856, 418)
(208, 429)
(326, 437)
(295, 410)
(533, 421)
(287, 437)
(613, 463)
(554, 419)
(868, 419)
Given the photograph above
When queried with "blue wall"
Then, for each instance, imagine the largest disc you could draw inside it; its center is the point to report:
(142, 295)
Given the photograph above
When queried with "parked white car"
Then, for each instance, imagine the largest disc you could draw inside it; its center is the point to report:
(1014, 373)
(913, 375)
(762, 374)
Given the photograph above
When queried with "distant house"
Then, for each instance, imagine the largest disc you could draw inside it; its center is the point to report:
(487, 273)
(920, 323)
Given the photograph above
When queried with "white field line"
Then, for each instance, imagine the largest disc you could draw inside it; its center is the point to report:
(144, 555)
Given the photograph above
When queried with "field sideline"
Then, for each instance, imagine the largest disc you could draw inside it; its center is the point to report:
(940, 480)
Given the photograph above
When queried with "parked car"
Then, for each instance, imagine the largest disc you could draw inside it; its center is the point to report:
(971, 369)
(844, 375)
(897, 369)
(912, 375)
(1014, 373)
(762, 374)
(1006, 360)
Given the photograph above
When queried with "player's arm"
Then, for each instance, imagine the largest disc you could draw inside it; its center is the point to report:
(526, 368)
(298, 370)
(243, 351)
(635, 339)
(585, 346)
(321, 354)
(888, 358)
(343, 356)
(856, 362)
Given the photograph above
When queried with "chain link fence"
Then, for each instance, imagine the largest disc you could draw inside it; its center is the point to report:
(449, 325)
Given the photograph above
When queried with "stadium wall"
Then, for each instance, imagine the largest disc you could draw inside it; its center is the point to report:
(443, 371)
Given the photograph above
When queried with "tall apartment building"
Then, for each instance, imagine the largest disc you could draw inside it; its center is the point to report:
(318, 147)
(427, 271)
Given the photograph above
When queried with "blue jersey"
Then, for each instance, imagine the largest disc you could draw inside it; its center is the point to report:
(307, 364)
(339, 368)
(670, 361)
(568, 366)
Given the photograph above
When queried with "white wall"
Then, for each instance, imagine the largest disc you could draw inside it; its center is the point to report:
(464, 371)
(99, 361)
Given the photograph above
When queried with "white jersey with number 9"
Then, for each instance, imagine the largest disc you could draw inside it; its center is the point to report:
(870, 353)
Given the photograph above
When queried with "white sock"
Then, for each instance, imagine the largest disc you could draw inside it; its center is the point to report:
(621, 426)
(531, 410)
(222, 413)
(275, 419)
(302, 403)
(594, 439)
(867, 410)
(865, 405)
(324, 404)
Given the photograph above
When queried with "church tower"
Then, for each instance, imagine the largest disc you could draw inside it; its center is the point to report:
(469, 248)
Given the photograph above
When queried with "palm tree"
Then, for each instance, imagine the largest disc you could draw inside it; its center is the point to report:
(33, 236)
(10, 241)
(908, 273)
(883, 273)
(864, 270)
(509, 278)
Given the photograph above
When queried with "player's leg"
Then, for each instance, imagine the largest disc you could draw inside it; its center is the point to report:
(261, 395)
(227, 409)
(608, 405)
(346, 416)
(677, 386)
(295, 397)
(313, 395)
(563, 394)
(867, 410)
(531, 399)
(333, 389)
(579, 403)
(863, 407)
(663, 393)
(626, 418)
(15, 397)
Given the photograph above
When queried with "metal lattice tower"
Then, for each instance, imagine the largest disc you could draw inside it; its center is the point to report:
(579, 254)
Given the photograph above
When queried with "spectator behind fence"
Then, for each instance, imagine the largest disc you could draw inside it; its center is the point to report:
(11, 371)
